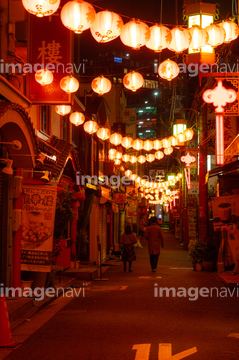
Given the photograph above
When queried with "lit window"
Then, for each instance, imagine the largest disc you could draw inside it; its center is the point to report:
(44, 118)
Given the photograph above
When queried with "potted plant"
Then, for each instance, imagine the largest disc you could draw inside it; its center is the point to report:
(209, 253)
(196, 251)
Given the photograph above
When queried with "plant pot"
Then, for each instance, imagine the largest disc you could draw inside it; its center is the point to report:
(207, 265)
(198, 267)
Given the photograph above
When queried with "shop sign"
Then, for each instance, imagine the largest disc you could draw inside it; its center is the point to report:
(119, 198)
(132, 209)
(225, 210)
(49, 48)
(38, 215)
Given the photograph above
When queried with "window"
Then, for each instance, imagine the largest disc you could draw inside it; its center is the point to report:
(45, 118)
(64, 128)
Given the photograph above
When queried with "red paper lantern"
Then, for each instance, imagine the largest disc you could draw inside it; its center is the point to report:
(44, 77)
(160, 38)
(101, 85)
(106, 27)
(115, 139)
(180, 39)
(133, 81)
(168, 70)
(231, 29)
(69, 84)
(41, 8)
(216, 33)
(78, 15)
(103, 133)
(77, 118)
(135, 34)
(199, 38)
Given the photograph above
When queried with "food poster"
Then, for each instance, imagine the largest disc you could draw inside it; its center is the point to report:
(38, 215)
(225, 210)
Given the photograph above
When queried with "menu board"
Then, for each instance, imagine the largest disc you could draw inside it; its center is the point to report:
(225, 210)
(38, 215)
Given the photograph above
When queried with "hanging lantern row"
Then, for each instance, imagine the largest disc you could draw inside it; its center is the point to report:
(149, 186)
(106, 26)
(69, 84)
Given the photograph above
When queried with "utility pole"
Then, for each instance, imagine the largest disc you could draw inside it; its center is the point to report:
(203, 197)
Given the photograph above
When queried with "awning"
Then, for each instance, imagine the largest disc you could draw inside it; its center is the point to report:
(15, 124)
(225, 169)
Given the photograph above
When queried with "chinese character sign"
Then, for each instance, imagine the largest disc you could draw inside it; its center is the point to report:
(38, 215)
(50, 48)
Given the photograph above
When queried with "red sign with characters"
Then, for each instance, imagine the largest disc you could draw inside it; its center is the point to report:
(49, 48)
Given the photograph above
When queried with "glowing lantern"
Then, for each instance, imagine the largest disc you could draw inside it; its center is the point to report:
(166, 143)
(138, 144)
(133, 177)
(106, 27)
(103, 133)
(101, 85)
(157, 144)
(231, 30)
(118, 155)
(128, 173)
(148, 145)
(181, 138)
(126, 158)
(168, 150)
(133, 81)
(168, 70)
(199, 38)
(63, 109)
(216, 34)
(135, 34)
(90, 126)
(173, 140)
(69, 84)
(150, 157)
(77, 15)
(77, 118)
(44, 77)
(141, 159)
(159, 155)
(112, 152)
(133, 159)
(127, 142)
(41, 8)
(179, 126)
(117, 162)
(180, 39)
(111, 157)
(115, 139)
(160, 38)
(189, 133)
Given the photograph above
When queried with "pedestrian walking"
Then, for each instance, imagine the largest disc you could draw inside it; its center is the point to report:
(127, 240)
(154, 235)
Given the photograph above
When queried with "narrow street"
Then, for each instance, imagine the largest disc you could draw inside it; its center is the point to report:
(121, 319)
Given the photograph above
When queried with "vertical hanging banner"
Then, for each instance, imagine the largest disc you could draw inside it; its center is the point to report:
(50, 49)
(38, 217)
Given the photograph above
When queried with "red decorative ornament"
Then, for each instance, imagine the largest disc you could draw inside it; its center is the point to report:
(199, 38)
(44, 77)
(77, 118)
(219, 97)
(69, 84)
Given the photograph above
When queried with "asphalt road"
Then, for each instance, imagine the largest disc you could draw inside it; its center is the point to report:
(125, 319)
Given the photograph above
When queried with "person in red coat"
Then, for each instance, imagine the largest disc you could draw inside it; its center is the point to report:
(154, 235)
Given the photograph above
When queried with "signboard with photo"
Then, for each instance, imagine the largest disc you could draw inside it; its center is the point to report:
(225, 210)
(38, 214)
